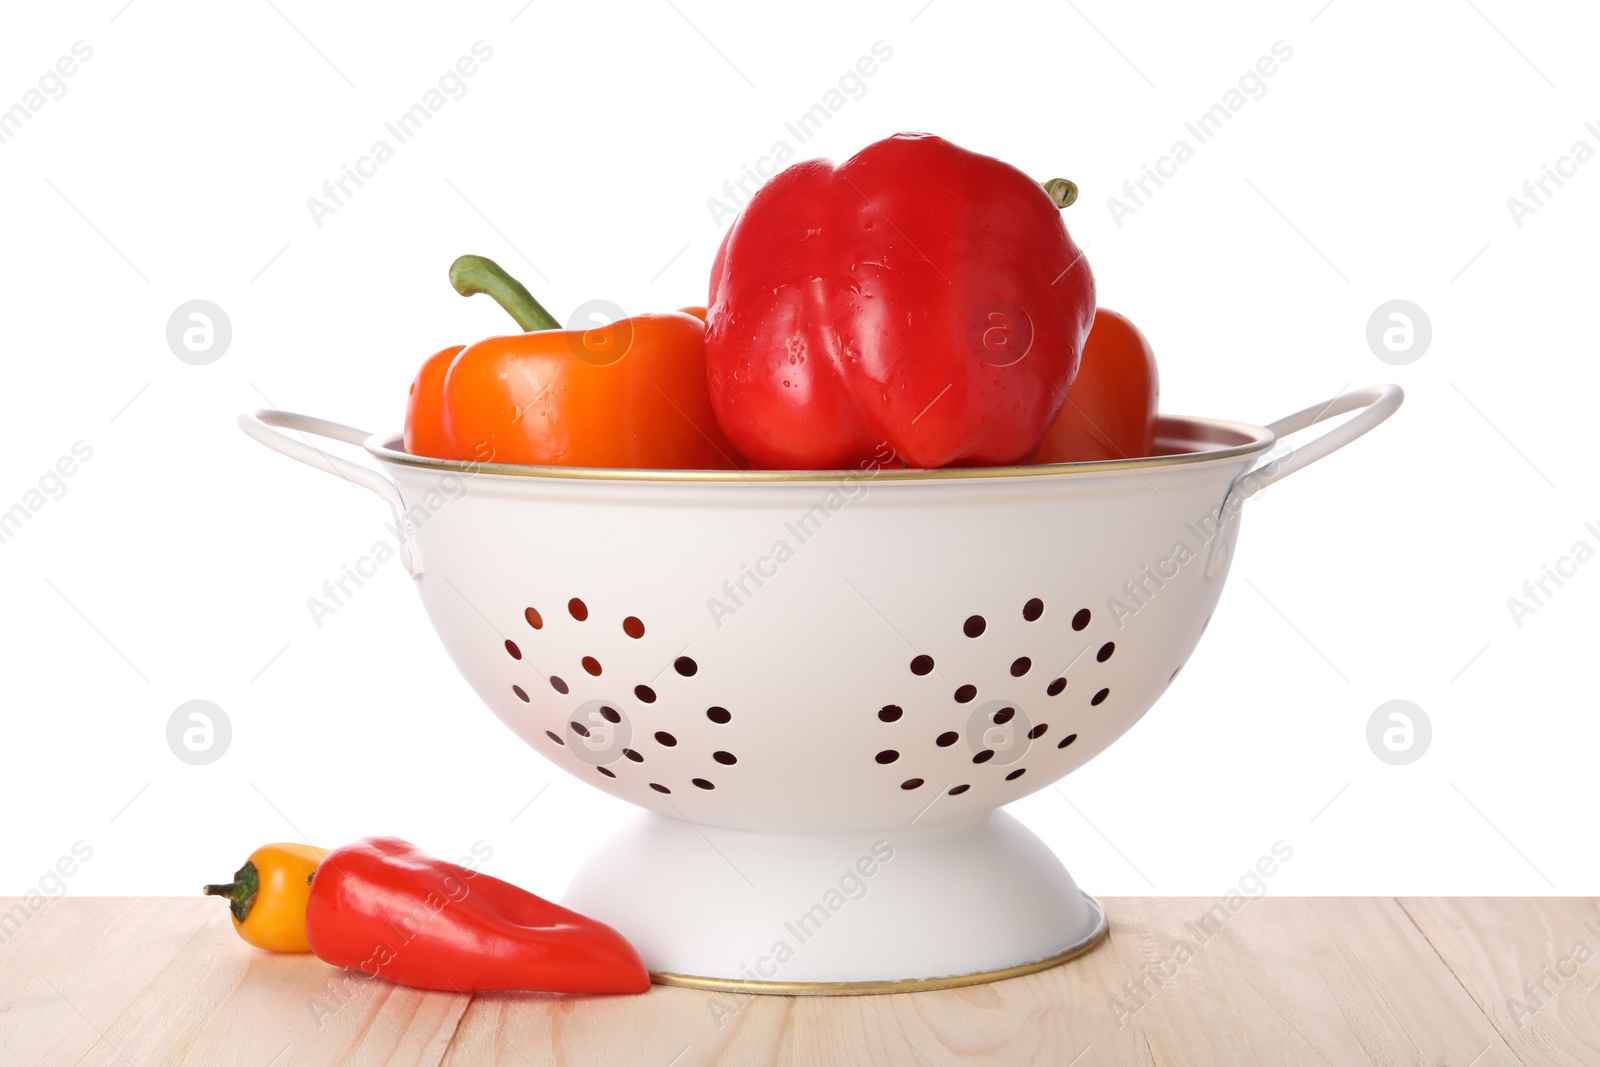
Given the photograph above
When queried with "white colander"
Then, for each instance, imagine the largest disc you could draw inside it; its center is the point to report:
(822, 686)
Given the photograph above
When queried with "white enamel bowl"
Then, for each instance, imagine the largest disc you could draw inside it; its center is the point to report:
(822, 686)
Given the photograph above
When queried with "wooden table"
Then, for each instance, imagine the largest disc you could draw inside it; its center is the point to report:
(1280, 981)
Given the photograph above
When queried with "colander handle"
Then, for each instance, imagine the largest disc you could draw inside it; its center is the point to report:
(1376, 403)
(263, 425)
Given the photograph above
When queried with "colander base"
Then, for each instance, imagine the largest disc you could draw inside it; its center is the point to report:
(872, 911)
(880, 988)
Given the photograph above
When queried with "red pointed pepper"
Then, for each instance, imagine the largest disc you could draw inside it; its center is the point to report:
(389, 910)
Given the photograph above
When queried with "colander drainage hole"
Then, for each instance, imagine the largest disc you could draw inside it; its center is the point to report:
(591, 665)
(922, 665)
(702, 783)
(631, 754)
(890, 712)
(974, 626)
(552, 735)
(511, 647)
(1031, 612)
(1004, 715)
(558, 685)
(522, 694)
(535, 620)
(1054, 688)
(633, 627)
(611, 714)
(727, 759)
(1099, 698)
(607, 771)
(911, 783)
(1014, 775)
(957, 790)
(946, 739)
(718, 715)
(578, 609)
(965, 694)
(659, 788)
(1105, 651)
(645, 693)
(1038, 731)
(984, 757)
(664, 738)
(685, 666)
(578, 728)
(1081, 619)
(888, 755)
(1020, 666)
(1065, 741)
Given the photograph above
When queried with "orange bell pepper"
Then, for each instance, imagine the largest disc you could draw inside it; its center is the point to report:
(631, 394)
(425, 434)
(1111, 411)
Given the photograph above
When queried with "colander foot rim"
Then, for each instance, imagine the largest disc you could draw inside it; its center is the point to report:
(1083, 946)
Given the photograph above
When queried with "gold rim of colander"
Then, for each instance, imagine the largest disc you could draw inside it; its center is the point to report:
(907, 985)
(1259, 440)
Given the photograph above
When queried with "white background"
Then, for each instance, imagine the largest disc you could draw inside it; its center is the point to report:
(1376, 166)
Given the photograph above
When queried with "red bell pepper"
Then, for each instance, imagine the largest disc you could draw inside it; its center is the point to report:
(386, 908)
(918, 295)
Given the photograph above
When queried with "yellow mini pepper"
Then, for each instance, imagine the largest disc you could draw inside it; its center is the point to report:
(268, 895)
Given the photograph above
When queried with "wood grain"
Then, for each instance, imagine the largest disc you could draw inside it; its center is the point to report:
(108, 981)
(1530, 965)
(1292, 981)
(1180, 981)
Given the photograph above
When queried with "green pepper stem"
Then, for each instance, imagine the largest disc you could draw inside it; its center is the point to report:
(1062, 191)
(471, 275)
(241, 892)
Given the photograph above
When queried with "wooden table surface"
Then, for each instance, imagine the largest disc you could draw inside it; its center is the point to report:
(1459, 982)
